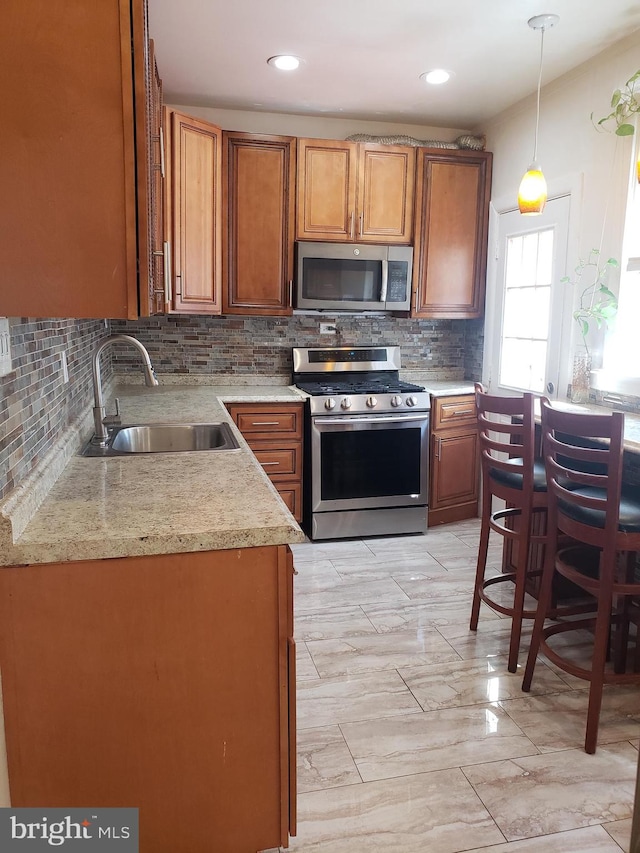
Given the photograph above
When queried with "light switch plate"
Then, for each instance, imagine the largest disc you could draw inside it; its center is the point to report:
(5, 347)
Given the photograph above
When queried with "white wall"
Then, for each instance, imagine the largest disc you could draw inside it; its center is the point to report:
(568, 142)
(573, 156)
(318, 127)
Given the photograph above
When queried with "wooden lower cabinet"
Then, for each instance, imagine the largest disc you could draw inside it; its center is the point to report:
(165, 683)
(274, 433)
(454, 460)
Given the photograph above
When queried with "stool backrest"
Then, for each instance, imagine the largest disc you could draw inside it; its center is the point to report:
(501, 438)
(583, 461)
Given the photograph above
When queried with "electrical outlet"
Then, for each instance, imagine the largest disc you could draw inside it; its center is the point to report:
(63, 365)
(5, 347)
(327, 329)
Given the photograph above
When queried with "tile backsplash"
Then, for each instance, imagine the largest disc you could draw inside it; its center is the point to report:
(36, 404)
(451, 349)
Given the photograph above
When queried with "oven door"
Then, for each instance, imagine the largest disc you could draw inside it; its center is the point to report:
(368, 461)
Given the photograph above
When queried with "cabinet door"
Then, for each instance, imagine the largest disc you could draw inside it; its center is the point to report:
(151, 259)
(386, 176)
(259, 177)
(326, 190)
(452, 210)
(454, 469)
(70, 96)
(196, 165)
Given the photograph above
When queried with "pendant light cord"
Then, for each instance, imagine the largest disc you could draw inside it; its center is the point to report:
(535, 144)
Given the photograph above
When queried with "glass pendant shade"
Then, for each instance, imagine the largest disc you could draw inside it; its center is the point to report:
(532, 195)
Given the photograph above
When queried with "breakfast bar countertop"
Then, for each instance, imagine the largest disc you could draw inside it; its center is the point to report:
(150, 503)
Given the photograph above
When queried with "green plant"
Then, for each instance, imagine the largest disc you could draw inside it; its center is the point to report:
(597, 302)
(625, 103)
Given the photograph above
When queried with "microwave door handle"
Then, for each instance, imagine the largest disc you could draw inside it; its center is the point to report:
(385, 279)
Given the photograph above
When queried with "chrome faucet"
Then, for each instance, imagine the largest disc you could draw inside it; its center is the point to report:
(100, 420)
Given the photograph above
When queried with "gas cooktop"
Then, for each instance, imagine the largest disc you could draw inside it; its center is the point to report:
(352, 380)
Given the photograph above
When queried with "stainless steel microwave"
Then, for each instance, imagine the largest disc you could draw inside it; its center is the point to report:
(353, 277)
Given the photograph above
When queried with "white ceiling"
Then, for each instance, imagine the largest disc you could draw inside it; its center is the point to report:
(363, 57)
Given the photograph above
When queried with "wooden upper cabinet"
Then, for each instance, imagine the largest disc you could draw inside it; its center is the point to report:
(152, 288)
(194, 215)
(74, 141)
(326, 189)
(355, 192)
(452, 213)
(385, 193)
(258, 223)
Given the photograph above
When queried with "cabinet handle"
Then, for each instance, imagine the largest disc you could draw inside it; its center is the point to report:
(265, 423)
(161, 152)
(352, 225)
(178, 284)
(438, 447)
(291, 292)
(264, 464)
(464, 412)
(360, 219)
(167, 272)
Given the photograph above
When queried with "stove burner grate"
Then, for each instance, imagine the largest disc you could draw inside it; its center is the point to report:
(370, 386)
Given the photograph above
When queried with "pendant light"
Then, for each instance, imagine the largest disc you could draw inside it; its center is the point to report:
(532, 195)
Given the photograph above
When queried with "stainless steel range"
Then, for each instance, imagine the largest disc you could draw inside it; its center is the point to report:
(367, 443)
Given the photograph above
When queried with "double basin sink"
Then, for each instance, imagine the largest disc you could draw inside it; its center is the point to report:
(165, 438)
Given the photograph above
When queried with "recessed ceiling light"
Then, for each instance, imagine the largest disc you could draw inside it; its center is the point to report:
(435, 77)
(284, 62)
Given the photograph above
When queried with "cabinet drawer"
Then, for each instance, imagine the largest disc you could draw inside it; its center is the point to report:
(453, 411)
(268, 421)
(278, 460)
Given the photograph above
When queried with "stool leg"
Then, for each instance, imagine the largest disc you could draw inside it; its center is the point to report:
(600, 644)
(544, 601)
(483, 548)
(524, 543)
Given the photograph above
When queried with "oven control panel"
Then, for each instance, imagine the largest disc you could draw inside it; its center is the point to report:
(354, 404)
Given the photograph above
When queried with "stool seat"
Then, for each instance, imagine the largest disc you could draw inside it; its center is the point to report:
(513, 479)
(629, 510)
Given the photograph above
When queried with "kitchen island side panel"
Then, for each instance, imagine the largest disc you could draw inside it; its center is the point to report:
(150, 682)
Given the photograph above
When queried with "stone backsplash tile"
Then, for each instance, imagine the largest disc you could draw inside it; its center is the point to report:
(36, 405)
(262, 345)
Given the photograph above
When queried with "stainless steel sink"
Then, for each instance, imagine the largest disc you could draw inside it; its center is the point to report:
(165, 438)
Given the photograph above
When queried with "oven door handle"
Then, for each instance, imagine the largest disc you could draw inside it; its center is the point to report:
(391, 419)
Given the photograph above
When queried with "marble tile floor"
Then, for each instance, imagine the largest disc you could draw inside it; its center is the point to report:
(412, 735)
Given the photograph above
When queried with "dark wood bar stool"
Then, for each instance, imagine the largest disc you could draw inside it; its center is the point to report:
(511, 473)
(583, 458)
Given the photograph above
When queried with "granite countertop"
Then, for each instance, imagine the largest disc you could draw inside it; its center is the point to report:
(134, 505)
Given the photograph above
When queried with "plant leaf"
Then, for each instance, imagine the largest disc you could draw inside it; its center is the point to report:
(585, 328)
(624, 130)
(612, 262)
(564, 279)
(606, 292)
(615, 98)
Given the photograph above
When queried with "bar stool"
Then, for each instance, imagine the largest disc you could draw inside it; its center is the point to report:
(583, 458)
(511, 473)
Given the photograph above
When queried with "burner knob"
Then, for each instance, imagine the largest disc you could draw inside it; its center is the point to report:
(412, 401)
(372, 402)
(396, 400)
(346, 403)
(330, 403)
